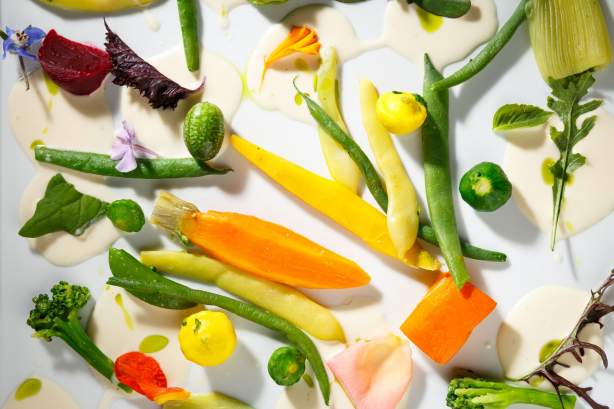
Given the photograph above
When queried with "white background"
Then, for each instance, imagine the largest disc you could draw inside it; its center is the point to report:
(513, 77)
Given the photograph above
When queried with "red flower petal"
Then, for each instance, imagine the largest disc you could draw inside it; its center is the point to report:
(142, 373)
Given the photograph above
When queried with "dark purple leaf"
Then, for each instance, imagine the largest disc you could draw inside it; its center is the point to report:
(131, 70)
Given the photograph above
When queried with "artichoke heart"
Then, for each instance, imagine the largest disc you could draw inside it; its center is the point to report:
(568, 36)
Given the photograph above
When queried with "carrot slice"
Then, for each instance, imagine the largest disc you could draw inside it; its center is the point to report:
(258, 247)
(444, 319)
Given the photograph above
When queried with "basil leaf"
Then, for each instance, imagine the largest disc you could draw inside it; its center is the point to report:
(514, 116)
(63, 208)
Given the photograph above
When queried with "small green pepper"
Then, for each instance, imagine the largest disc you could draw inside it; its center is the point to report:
(286, 366)
(126, 215)
(485, 187)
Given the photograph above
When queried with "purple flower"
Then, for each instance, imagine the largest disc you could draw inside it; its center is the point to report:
(126, 150)
(20, 42)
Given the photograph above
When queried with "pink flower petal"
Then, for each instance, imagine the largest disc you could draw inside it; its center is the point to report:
(127, 163)
(118, 150)
(143, 152)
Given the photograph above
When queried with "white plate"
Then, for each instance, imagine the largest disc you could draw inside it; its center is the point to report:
(584, 260)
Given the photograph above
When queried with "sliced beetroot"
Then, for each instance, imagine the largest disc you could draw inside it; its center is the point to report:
(75, 67)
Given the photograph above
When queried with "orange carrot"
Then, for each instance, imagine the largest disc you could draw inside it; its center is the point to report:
(258, 247)
(444, 319)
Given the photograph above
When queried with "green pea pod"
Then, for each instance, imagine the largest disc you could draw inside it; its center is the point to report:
(158, 290)
(437, 179)
(103, 165)
(445, 8)
(188, 18)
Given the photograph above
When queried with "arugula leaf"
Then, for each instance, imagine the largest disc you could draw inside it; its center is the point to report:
(63, 208)
(514, 116)
(567, 94)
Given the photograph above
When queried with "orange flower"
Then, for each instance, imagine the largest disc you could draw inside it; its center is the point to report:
(300, 40)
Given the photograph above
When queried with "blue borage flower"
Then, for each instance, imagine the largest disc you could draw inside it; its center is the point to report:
(20, 43)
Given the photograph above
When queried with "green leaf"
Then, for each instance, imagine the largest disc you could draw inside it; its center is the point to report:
(63, 208)
(514, 116)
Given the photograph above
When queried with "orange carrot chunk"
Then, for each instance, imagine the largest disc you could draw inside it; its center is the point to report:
(258, 247)
(444, 319)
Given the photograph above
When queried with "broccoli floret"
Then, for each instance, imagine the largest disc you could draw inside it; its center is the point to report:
(58, 316)
(473, 393)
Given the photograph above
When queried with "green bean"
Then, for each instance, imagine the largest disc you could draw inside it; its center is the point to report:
(427, 233)
(155, 289)
(445, 8)
(437, 179)
(99, 164)
(488, 53)
(372, 179)
(188, 18)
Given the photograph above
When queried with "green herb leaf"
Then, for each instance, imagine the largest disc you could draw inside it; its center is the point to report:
(567, 94)
(514, 116)
(63, 208)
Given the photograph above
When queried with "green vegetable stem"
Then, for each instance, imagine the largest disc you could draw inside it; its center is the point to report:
(157, 290)
(427, 233)
(474, 393)
(188, 19)
(99, 164)
(286, 366)
(485, 187)
(444, 8)
(437, 177)
(488, 53)
(203, 131)
(126, 215)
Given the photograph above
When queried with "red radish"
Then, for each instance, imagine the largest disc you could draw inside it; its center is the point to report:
(75, 67)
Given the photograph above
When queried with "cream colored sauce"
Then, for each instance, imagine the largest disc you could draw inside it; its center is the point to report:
(360, 318)
(404, 33)
(109, 331)
(51, 395)
(275, 91)
(545, 314)
(223, 7)
(161, 130)
(526, 151)
(67, 121)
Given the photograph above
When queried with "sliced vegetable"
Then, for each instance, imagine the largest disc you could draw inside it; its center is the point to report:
(103, 165)
(267, 250)
(331, 127)
(207, 338)
(212, 400)
(157, 290)
(488, 53)
(143, 374)
(340, 165)
(515, 116)
(301, 39)
(63, 208)
(126, 215)
(445, 8)
(568, 37)
(403, 211)
(96, 6)
(437, 179)
(188, 19)
(444, 319)
(485, 187)
(280, 299)
(203, 131)
(131, 70)
(286, 366)
(375, 374)
(400, 112)
(75, 67)
(335, 201)
(475, 393)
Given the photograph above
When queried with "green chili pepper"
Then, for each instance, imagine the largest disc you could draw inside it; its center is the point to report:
(488, 53)
(438, 182)
(157, 290)
(98, 164)
(286, 366)
(126, 215)
(372, 179)
(188, 18)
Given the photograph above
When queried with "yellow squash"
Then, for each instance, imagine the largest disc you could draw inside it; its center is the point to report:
(403, 211)
(335, 201)
(280, 299)
(96, 6)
